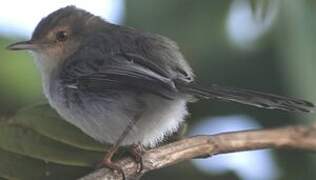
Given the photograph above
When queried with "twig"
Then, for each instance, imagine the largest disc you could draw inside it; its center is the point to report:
(294, 137)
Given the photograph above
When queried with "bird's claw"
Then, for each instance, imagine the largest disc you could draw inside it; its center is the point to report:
(108, 163)
(137, 151)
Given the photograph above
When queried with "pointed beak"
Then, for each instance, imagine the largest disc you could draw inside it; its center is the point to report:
(23, 45)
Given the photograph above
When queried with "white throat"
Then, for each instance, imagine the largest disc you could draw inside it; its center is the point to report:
(46, 67)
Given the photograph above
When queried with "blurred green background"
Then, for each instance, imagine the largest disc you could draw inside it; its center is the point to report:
(273, 51)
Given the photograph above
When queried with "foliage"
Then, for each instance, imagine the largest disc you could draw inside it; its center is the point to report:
(37, 144)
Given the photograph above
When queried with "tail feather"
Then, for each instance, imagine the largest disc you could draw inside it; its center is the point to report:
(249, 97)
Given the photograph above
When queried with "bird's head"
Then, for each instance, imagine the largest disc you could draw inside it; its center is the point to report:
(59, 34)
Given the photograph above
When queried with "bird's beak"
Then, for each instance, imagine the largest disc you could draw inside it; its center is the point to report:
(23, 45)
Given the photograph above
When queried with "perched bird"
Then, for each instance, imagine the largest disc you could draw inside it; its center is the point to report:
(120, 85)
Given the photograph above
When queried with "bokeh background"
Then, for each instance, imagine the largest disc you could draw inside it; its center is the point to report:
(267, 45)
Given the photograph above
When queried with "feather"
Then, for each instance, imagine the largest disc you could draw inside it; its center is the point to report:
(249, 97)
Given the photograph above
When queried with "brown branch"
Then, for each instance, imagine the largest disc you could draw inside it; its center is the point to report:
(294, 137)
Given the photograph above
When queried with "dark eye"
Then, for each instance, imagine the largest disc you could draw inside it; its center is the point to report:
(61, 36)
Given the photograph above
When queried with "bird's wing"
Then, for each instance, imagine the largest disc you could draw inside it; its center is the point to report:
(121, 71)
(147, 63)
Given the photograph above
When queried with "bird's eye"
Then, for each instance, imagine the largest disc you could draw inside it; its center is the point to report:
(61, 36)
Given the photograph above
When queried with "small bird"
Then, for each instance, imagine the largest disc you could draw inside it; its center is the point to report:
(123, 86)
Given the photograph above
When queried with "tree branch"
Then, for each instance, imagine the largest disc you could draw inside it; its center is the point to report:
(294, 137)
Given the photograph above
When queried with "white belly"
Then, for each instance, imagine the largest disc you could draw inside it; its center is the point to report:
(106, 120)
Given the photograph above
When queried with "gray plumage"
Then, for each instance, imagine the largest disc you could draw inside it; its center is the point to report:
(106, 75)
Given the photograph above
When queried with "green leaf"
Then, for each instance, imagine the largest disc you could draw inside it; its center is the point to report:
(24, 141)
(15, 166)
(37, 144)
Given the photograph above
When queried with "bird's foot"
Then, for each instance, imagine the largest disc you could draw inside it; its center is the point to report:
(137, 151)
(108, 163)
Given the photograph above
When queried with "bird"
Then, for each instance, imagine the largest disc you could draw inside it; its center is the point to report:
(124, 86)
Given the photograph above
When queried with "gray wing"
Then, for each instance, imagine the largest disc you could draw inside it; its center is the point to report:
(149, 64)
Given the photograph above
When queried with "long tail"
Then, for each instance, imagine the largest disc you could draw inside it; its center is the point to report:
(249, 97)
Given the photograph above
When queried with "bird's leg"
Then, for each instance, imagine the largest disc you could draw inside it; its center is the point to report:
(108, 163)
(137, 151)
(107, 160)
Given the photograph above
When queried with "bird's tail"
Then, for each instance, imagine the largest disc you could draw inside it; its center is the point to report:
(249, 97)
